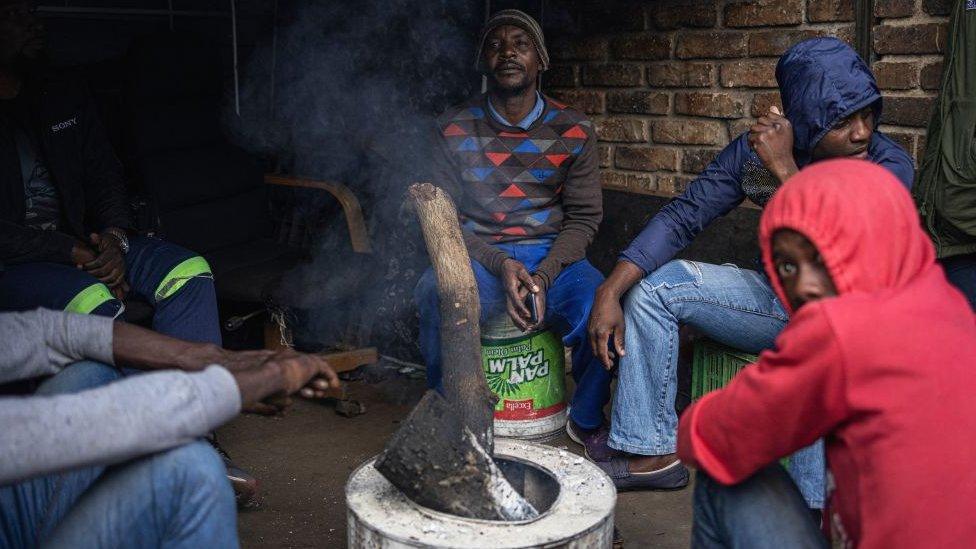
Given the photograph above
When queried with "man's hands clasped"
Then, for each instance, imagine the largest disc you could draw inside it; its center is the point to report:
(103, 259)
(519, 285)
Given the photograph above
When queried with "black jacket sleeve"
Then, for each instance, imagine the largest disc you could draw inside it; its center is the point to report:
(103, 175)
(19, 244)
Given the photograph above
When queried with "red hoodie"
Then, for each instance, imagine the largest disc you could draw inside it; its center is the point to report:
(885, 371)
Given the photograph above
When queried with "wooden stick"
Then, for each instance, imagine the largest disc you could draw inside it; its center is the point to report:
(465, 385)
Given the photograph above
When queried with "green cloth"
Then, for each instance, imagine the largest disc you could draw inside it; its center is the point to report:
(946, 189)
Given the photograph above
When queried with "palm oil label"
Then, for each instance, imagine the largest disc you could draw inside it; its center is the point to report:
(526, 373)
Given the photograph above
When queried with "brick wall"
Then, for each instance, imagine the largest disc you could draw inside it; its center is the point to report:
(670, 82)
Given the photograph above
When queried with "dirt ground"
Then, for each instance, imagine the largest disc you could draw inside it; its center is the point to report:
(304, 458)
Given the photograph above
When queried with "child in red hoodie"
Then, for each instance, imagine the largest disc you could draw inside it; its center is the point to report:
(879, 358)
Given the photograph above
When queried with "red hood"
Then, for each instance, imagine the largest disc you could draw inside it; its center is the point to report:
(860, 218)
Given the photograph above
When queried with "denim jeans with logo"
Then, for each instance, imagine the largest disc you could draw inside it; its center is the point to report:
(733, 306)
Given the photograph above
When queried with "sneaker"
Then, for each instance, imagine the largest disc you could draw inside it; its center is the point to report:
(593, 441)
(244, 484)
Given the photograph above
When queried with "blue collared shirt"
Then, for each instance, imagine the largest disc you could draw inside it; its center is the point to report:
(529, 119)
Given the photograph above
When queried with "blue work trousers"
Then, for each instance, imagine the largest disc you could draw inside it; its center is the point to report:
(189, 313)
(568, 303)
(176, 498)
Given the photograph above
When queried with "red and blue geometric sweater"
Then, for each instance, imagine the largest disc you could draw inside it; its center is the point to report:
(514, 185)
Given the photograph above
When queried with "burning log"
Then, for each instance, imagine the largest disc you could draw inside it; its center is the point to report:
(465, 385)
(441, 456)
(437, 462)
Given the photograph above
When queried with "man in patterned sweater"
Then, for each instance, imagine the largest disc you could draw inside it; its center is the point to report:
(523, 171)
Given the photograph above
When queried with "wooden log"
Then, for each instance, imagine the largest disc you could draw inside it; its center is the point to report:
(437, 462)
(464, 380)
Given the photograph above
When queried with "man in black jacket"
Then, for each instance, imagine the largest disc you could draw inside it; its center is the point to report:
(65, 228)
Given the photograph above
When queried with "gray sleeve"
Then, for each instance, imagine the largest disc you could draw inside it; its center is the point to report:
(133, 417)
(41, 342)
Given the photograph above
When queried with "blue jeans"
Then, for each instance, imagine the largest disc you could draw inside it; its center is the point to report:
(568, 303)
(733, 306)
(176, 498)
(765, 510)
(189, 314)
(961, 272)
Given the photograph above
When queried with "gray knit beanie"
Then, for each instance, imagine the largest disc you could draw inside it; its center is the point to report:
(518, 19)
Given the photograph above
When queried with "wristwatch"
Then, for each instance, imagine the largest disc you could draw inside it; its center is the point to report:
(123, 238)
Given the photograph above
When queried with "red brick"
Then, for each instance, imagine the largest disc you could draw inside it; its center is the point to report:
(762, 101)
(671, 16)
(776, 42)
(694, 161)
(904, 139)
(823, 11)
(644, 46)
(646, 159)
(909, 39)
(846, 33)
(625, 130)
(937, 7)
(896, 76)
(605, 153)
(611, 17)
(894, 8)
(764, 13)
(751, 73)
(740, 126)
(673, 184)
(907, 111)
(613, 74)
(714, 105)
(931, 76)
(589, 48)
(710, 45)
(560, 76)
(689, 132)
(628, 182)
(588, 101)
(676, 74)
(638, 102)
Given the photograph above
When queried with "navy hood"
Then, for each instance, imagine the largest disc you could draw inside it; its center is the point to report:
(822, 81)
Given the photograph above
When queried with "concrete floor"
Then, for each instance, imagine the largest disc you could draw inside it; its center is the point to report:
(304, 458)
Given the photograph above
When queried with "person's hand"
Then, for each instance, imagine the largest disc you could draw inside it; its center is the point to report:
(81, 254)
(109, 265)
(267, 386)
(606, 322)
(515, 279)
(772, 139)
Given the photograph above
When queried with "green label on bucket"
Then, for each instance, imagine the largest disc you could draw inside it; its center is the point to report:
(527, 374)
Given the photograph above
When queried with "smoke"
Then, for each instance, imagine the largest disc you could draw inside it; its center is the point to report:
(348, 93)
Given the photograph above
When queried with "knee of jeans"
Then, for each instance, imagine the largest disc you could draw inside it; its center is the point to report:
(678, 272)
(194, 467)
(80, 376)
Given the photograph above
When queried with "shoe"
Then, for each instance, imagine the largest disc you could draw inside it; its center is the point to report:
(672, 477)
(593, 441)
(244, 484)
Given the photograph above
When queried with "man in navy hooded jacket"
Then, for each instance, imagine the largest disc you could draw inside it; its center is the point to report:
(832, 107)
